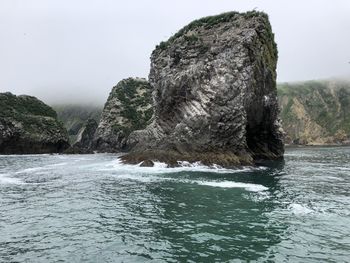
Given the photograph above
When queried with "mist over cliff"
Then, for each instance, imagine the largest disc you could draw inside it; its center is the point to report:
(75, 51)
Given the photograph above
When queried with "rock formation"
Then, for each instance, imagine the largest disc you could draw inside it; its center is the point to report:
(84, 142)
(316, 112)
(75, 117)
(86, 135)
(127, 109)
(28, 126)
(214, 92)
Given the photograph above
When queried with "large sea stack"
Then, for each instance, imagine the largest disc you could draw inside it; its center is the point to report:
(28, 126)
(128, 108)
(214, 92)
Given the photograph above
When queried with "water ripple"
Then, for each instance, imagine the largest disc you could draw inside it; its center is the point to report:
(92, 208)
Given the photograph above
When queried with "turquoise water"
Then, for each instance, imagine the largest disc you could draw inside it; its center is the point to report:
(91, 208)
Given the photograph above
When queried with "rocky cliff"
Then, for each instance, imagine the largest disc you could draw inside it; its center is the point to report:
(86, 135)
(128, 108)
(27, 125)
(316, 112)
(214, 92)
(74, 117)
(84, 141)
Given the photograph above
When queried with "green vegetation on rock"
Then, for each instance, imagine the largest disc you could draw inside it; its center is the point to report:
(32, 113)
(315, 112)
(128, 108)
(12, 105)
(27, 125)
(135, 98)
(211, 21)
(74, 117)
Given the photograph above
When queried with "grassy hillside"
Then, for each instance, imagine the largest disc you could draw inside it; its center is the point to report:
(315, 112)
(27, 125)
(32, 114)
(75, 116)
(11, 105)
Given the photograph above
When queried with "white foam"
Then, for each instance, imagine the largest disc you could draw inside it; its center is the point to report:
(162, 168)
(332, 178)
(29, 170)
(299, 209)
(23, 155)
(222, 184)
(140, 178)
(41, 168)
(230, 184)
(57, 164)
(158, 165)
(5, 179)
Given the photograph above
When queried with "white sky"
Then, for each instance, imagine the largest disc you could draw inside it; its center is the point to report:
(77, 50)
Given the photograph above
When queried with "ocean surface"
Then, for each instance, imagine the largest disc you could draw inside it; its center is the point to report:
(92, 208)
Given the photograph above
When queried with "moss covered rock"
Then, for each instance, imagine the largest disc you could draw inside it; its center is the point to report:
(27, 125)
(128, 108)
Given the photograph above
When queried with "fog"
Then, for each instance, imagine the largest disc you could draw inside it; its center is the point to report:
(65, 51)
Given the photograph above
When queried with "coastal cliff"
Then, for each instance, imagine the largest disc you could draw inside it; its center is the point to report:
(214, 95)
(302, 106)
(75, 117)
(315, 112)
(28, 126)
(128, 108)
(84, 141)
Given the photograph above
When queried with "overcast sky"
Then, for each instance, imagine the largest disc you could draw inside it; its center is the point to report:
(77, 50)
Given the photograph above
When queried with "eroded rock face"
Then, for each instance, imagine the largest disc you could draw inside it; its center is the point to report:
(75, 116)
(86, 135)
(127, 109)
(28, 126)
(84, 142)
(316, 112)
(214, 92)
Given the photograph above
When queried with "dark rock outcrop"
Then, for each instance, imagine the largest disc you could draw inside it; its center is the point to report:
(128, 108)
(214, 92)
(28, 126)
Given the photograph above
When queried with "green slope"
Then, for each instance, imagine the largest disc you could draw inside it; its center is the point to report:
(315, 112)
(75, 116)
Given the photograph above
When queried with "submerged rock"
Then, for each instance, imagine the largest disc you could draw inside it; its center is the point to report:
(214, 95)
(128, 108)
(28, 126)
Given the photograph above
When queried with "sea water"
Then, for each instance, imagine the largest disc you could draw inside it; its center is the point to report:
(93, 208)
